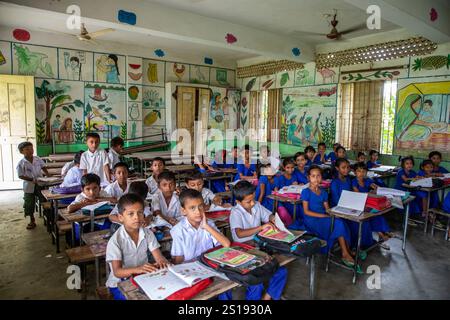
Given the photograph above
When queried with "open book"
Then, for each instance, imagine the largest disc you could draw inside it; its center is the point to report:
(278, 235)
(230, 257)
(425, 183)
(351, 203)
(383, 168)
(390, 192)
(295, 188)
(160, 284)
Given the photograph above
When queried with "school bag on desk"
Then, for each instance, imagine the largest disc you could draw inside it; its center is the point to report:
(257, 266)
(99, 209)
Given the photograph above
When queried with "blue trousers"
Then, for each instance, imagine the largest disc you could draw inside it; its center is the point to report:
(275, 289)
(117, 294)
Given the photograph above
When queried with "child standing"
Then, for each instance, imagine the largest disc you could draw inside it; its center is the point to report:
(436, 158)
(120, 186)
(127, 249)
(266, 185)
(73, 176)
(248, 218)
(158, 166)
(195, 182)
(117, 144)
(95, 160)
(321, 157)
(165, 201)
(29, 169)
(300, 171)
(315, 206)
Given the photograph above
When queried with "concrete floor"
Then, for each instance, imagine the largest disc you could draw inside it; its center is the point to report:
(30, 269)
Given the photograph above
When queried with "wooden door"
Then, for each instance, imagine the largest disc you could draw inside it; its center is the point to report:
(186, 112)
(17, 124)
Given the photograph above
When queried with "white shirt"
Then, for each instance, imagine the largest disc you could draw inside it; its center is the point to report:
(82, 197)
(94, 163)
(73, 177)
(113, 157)
(114, 190)
(208, 196)
(241, 219)
(147, 210)
(122, 248)
(152, 185)
(174, 208)
(155, 223)
(191, 242)
(30, 170)
(67, 167)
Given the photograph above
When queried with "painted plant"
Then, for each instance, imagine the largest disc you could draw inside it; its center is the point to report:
(101, 112)
(31, 62)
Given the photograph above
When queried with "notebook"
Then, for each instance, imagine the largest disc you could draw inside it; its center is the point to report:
(161, 284)
(230, 257)
(425, 183)
(390, 192)
(295, 188)
(351, 203)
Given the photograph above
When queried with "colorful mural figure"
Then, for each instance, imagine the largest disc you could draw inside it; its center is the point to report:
(73, 65)
(423, 117)
(66, 134)
(216, 112)
(108, 69)
(30, 63)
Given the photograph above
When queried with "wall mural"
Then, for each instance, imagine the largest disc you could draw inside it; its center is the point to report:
(423, 116)
(75, 65)
(285, 79)
(305, 76)
(135, 70)
(177, 72)
(154, 73)
(243, 114)
(327, 75)
(109, 68)
(35, 61)
(199, 75)
(308, 115)
(436, 64)
(5, 57)
(222, 77)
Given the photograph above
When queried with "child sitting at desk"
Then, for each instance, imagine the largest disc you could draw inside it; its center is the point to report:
(165, 201)
(117, 144)
(158, 166)
(310, 152)
(73, 176)
(315, 206)
(436, 158)
(127, 250)
(70, 165)
(95, 160)
(29, 169)
(222, 162)
(426, 171)
(361, 157)
(332, 155)
(246, 170)
(321, 157)
(300, 171)
(248, 218)
(373, 162)
(195, 182)
(120, 186)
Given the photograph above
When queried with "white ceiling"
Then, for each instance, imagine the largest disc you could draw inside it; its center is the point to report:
(296, 18)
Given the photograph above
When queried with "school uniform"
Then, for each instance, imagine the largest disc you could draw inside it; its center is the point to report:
(174, 208)
(371, 164)
(94, 162)
(114, 158)
(67, 167)
(266, 203)
(152, 185)
(245, 171)
(157, 222)
(446, 204)
(366, 187)
(208, 196)
(317, 160)
(322, 226)
(82, 197)
(219, 185)
(73, 177)
(241, 219)
(440, 170)
(337, 186)
(415, 207)
(309, 163)
(332, 157)
(115, 191)
(434, 196)
(282, 182)
(301, 177)
(31, 190)
(122, 248)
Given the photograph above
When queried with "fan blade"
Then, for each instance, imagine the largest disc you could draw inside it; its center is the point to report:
(58, 32)
(99, 33)
(355, 28)
(305, 33)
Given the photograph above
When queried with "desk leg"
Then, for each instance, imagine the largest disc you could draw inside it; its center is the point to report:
(295, 212)
(274, 209)
(329, 251)
(358, 248)
(73, 234)
(55, 226)
(97, 271)
(426, 213)
(312, 277)
(405, 227)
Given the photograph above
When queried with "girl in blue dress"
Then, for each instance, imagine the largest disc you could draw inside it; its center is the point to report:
(287, 179)
(246, 170)
(364, 184)
(221, 162)
(405, 175)
(426, 171)
(373, 162)
(310, 153)
(317, 221)
(266, 185)
(300, 171)
(436, 158)
(321, 157)
(332, 155)
(343, 182)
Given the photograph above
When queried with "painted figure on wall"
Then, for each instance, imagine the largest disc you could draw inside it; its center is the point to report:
(30, 63)
(73, 66)
(226, 113)
(294, 131)
(216, 108)
(108, 69)
(66, 134)
(56, 125)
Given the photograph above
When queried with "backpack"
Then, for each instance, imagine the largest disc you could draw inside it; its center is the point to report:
(257, 271)
(305, 246)
(104, 209)
(67, 190)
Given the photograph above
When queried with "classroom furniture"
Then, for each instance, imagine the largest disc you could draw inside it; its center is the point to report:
(281, 199)
(365, 216)
(444, 214)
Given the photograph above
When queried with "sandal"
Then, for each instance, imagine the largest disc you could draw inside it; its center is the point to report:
(31, 226)
(362, 254)
(351, 264)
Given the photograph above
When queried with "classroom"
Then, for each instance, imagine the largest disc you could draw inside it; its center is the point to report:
(224, 150)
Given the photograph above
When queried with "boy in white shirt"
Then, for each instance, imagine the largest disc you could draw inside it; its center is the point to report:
(195, 182)
(158, 166)
(29, 169)
(95, 160)
(165, 201)
(248, 218)
(117, 144)
(73, 176)
(120, 186)
(127, 249)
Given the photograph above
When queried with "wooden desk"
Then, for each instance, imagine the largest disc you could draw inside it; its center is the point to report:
(50, 182)
(277, 199)
(61, 157)
(365, 216)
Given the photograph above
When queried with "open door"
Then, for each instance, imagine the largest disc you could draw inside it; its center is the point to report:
(17, 124)
(186, 112)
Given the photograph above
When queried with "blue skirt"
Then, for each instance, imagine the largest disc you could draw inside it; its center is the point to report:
(322, 228)
(366, 234)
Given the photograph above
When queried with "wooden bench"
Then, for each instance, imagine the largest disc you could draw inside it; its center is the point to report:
(104, 294)
(80, 255)
(444, 214)
(63, 227)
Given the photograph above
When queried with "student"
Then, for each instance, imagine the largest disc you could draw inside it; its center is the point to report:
(127, 250)
(92, 193)
(246, 170)
(222, 161)
(341, 153)
(120, 186)
(195, 182)
(117, 144)
(248, 218)
(73, 176)
(300, 171)
(287, 178)
(321, 157)
(361, 157)
(310, 153)
(317, 221)
(158, 166)
(426, 171)
(373, 162)
(343, 182)
(266, 185)
(364, 184)
(332, 155)
(29, 169)
(70, 165)
(436, 158)
(95, 160)
(165, 201)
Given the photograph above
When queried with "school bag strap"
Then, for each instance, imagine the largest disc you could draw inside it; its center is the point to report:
(257, 271)
(305, 246)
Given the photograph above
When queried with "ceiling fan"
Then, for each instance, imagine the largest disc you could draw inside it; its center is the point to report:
(84, 34)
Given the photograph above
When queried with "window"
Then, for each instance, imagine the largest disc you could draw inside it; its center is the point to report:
(388, 118)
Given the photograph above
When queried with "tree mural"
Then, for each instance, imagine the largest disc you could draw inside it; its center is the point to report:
(100, 112)
(55, 97)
